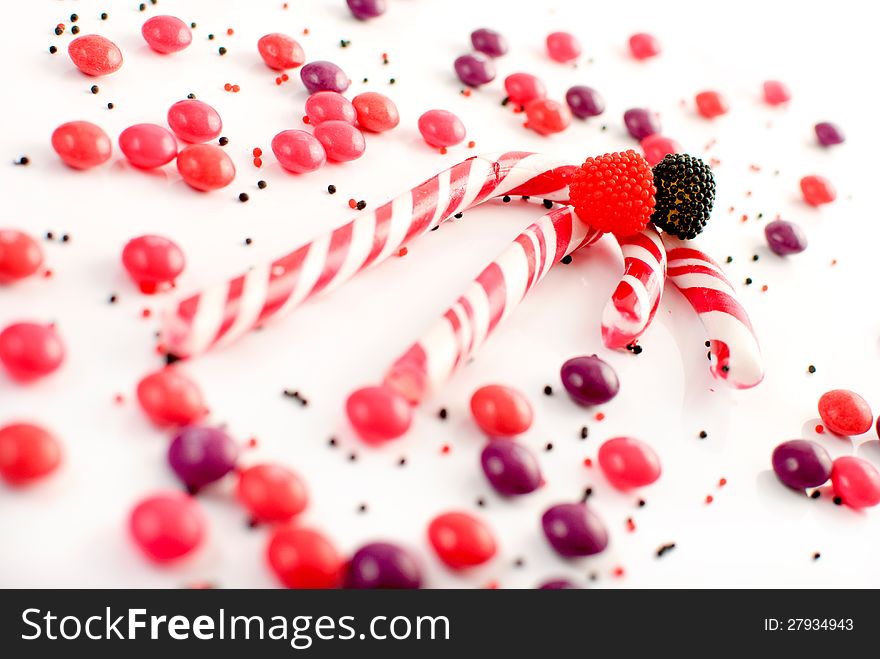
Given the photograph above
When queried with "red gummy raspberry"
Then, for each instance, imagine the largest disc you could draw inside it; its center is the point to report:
(614, 192)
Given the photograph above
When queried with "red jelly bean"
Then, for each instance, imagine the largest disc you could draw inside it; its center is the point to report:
(167, 526)
(461, 540)
(643, 46)
(20, 255)
(194, 121)
(205, 167)
(298, 151)
(776, 92)
(304, 558)
(563, 46)
(378, 414)
(711, 104)
(170, 398)
(342, 142)
(375, 112)
(30, 351)
(546, 116)
(152, 262)
(95, 55)
(441, 128)
(628, 463)
(280, 52)
(271, 493)
(524, 87)
(501, 411)
(329, 106)
(81, 144)
(147, 145)
(28, 453)
(166, 34)
(656, 147)
(817, 190)
(856, 482)
(845, 412)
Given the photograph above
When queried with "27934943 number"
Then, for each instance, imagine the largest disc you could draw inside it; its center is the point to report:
(808, 624)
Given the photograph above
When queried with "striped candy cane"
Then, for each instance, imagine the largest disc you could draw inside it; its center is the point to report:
(635, 300)
(491, 298)
(224, 312)
(734, 352)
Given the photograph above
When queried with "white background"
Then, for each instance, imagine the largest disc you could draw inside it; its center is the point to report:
(71, 530)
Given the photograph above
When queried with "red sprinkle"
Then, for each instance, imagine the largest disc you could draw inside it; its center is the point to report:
(588, 462)
(306, 119)
(403, 251)
(146, 313)
(442, 150)
(471, 144)
(119, 399)
(709, 498)
(252, 442)
(630, 524)
(235, 89)
(230, 32)
(820, 429)
(446, 449)
(600, 416)
(618, 572)
(352, 203)
(257, 152)
(722, 482)
(285, 77)
(258, 162)
(227, 87)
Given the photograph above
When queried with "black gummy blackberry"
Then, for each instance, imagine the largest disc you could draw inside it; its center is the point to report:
(685, 195)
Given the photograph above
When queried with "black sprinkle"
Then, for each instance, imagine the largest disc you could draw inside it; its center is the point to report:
(442, 413)
(519, 562)
(548, 390)
(505, 101)
(811, 369)
(222, 50)
(703, 434)
(171, 358)
(65, 238)
(725, 369)
(193, 25)
(587, 494)
(759, 216)
(248, 241)
(361, 205)
(24, 160)
(261, 185)
(663, 549)
(74, 29)
(637, 350)
(223, 141)
(566, 259)
(392, 81)
(191, 96)
(401, 462)
(526, 197)
(331, 442)
(113, 299)
(331, 189)
(243, 196)
(366, 80)
(104, 16)
(593, 576)
(352, 457)
(815, 494)
(748, 281)
(210, 37)
(74, 18)
(481, 502)
(585, 432)
(730, 259)
(755, 257)
(142, 6)
(549, 446)
(708, 344)
(110, 106)
(837, 501)
(53, 49)
(362, 508)
(548, 204)
(506, 199)
(817, 556)
(458, 216)
(58, 31)
(94, 89)
(603, 127)
(434, 228)
(343, 43)
(50, 235)
(642, 503)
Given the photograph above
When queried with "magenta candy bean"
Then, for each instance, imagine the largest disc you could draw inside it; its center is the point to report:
(510, 467)
(475, 69)
(558, 584)
(298, 151)
(200, 455)
(589, 380)
(785, 238)
(147, 145)
(166, 34)
(572, 529)
(524, 87)
(441, 128)
(382, 565)
(828, 134)
(95, 55)
(641, 123)
(800, 464)
(194, 121)
(341, 141)
(324, 76)
(366, 9)
(327, 106)
(489, 42)
(563, 46)
(584, 102)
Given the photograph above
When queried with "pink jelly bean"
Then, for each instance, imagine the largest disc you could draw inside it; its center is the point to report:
(656, 147)
(776, 92)
(845, 412)
(95, 55)
(856, 482)
(523, 87)
(341, 141)
(81, 144)
(280, 52)
(205, 167)
(643, 46)
(298, 151)
(147, 145)
(563, 46)
(628, 463)
(329, 106)
(546, 116)
(441, 128)
(194, 121)
(711, 104)
(375, 112)
(166, 34)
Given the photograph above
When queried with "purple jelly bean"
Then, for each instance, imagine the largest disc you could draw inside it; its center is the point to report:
(200, 455)
(785, 237)
(584, 102)
(558, 584)
(324, 76)
(829, 134)
(475, 69)
(383, 565)
(589, 380)
(511, 468)
(489, 42)
(366, 9)
(641, 123)
(572, 529)
(800, 464)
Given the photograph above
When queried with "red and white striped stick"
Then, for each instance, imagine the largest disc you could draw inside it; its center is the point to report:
(635, 300)
(491, 298)
(734, 353)
(221, 313)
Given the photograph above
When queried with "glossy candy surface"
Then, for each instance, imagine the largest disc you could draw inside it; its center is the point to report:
(501, 411)
(441, 128)
(28, 453)
(95, 55)
(194, 121)
(298, 151)
(800, 464)
(166, 34)
(644, 46)
(201, 455)
(383, 565)
(584, 102)
(776, 92)
(475, 69)
(461, 540)
(524, 87)
(304, 558)
(366, 9)
(324, 76)
(205, 167)
(20, 255)
(628, 463)
(589, 380)
(817, 190)
(656, 147)
(375, 112)
(489, 42)
(785, 238)
(641, 123)
(30, 351)
(510, 467)
(563, 46)
(327, 106)
(342, 142)
(547, 116)
(81, 144)
(167, 526)
(152, 262)
(147, 145)
(711, 104)
(378, 414)
(280, 52)
(828, 134)
(170, 398)
(845, 412)
(856, 482)
(271, 493)
(573, 529)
